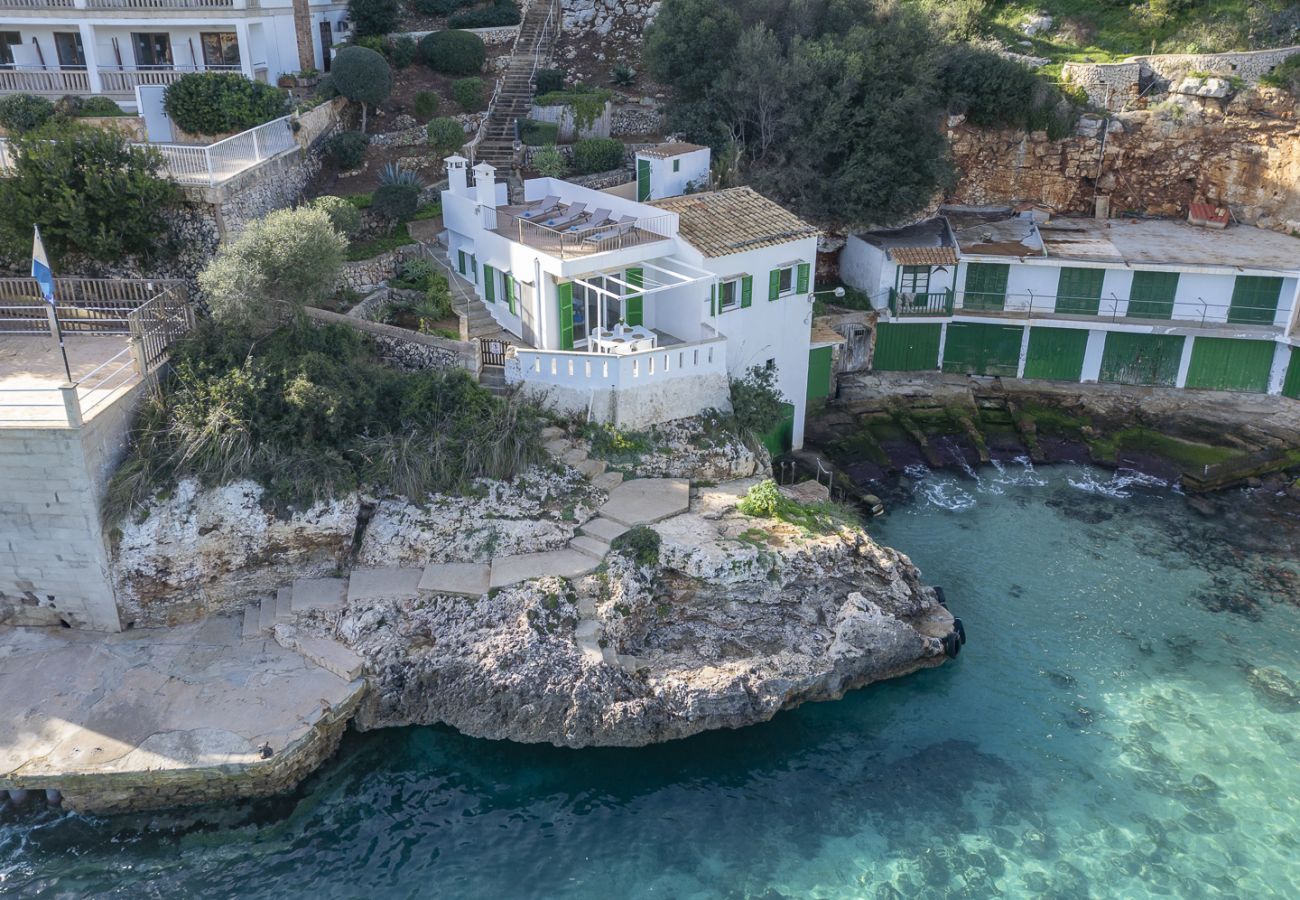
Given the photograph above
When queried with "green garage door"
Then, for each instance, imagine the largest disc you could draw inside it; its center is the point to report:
(1056, 353)
(906, 348)
(1141, 358)
(1224, 364)
(819, 373)
(982, 349)
(1291, 387)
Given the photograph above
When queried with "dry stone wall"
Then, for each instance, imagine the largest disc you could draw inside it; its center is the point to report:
(1114, 86)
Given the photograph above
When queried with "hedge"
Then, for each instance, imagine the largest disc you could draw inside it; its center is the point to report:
(221, 102)
(499, 14)
(597, 155)
(453, 52)
(23, 112)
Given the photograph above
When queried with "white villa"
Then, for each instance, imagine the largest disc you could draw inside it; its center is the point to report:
(58, 47)
(1197, 304)
(638, 312)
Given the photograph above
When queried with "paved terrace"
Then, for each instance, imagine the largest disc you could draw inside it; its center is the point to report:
(31, 373)
(590, 237)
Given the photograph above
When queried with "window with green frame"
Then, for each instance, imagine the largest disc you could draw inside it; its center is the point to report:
(1254, 299)
(914, 280)
(1152, 295)
(986, 286)
(1078, 292)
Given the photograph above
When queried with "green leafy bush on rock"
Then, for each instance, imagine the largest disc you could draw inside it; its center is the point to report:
(222, 102)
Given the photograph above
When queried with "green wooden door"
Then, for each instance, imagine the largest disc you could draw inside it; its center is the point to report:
(986, 286)
(1078, 292)
(1254, 299)
(1141, 358)
(982, 349)
(634, 306)
(1291, 387)
(642, 180)
(819, 373)
(1225, 364)
(1152, 295)
(489, 284)
(564, 294)
(1056, 353)
(906, 348)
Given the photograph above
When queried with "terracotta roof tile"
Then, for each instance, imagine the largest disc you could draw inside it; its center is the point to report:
(923, 256)
(720, 223)
(668, 151)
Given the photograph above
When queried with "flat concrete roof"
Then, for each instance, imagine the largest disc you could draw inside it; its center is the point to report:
(929, 233)
(31, 371)
(1147, 242)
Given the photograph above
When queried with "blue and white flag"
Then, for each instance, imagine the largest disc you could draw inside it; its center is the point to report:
(41, 270)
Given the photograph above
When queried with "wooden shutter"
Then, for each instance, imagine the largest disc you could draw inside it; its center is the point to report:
(634, 305)
(774, 284)
(747, 291)
(460, 261)
(713, 299)
(490, 284)
(1078, 291)
(1254, 299)
(642, 180)
(564, 292)
(473, 267)
(1152, 295)
(802, 278)
(510, 286)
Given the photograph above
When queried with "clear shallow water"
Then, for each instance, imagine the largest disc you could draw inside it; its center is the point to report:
(1100, 736)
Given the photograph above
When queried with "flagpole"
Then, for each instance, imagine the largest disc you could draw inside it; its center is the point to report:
(44, 276)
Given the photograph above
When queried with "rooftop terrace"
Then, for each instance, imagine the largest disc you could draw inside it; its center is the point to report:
(31, 375)
(570, 230)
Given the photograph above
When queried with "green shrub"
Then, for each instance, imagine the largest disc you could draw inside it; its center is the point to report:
(586, 103)
(363, 76)
(86, 107)
(374, 17)
(23, 112)
(499, 14)
(221, 102)
(756, 401)
(401, 51)
(445, 136)
(453, 52)
(441, 7)
(289, 255)
(549, 162)
(399, 236)
(89, 189)
(426, 104)
(392, 173)
(762, 501)
(640, 544)
(597, 155)
(548, 80)
(373, 42)
(622, 74)
(347, 149)
(538, 134)
(396, 203)
(344, 216)
(415, 275)
(310, 412)
(469, 93)
(1285, 75)
(765, 501)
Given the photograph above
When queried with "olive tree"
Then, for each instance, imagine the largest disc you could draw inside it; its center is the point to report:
(363, 76)
(290, 255)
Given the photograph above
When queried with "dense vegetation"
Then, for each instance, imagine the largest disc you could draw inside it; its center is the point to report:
(309, 412)
(453, 52)
(363, 76)
(221, 102)
(833, 106)
(90, 190)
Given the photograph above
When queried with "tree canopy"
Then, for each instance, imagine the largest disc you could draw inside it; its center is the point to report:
(831, 106)
(362, 75)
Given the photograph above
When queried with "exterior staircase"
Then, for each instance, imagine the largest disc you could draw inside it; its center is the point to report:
(514, 98)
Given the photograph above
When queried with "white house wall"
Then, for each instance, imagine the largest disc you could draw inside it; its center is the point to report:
(861, 266)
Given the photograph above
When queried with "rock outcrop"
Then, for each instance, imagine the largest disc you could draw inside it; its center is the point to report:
(737, 619)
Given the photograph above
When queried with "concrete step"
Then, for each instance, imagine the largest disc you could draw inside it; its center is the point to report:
(608, 481)
(591, 469)
(251, 627)
(385, 583)
(266, 614)
(329, 655)
(593, 547)
(645, 500)
(319, 593)
(566, 563)
(466, 579)
(603, 529)
(284, 604)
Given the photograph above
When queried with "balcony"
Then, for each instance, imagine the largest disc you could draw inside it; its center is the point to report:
(577, 240)
(147, 5)
(605, 371)
(125, 79)
(117, 81)
(36, 80)
(906, 304)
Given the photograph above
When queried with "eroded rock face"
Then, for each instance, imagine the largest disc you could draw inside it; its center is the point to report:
(722, 639)
(701, 448)
(197, 552)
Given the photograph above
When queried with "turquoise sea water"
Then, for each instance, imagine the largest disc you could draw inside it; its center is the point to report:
(1101, 735)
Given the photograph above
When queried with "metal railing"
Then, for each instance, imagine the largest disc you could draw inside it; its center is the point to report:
(156, 324)
(85, 305)
(1198, 312)
(584, 241)
(538, 53)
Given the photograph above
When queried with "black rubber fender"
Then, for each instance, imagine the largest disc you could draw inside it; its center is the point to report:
(951, 645)
(941, 596)
(958, 627)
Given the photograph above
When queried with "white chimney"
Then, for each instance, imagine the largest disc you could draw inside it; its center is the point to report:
(458, 175)
(485, 185)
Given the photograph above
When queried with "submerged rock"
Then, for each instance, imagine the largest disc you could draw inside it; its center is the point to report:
(739, 619)
(1276, 690)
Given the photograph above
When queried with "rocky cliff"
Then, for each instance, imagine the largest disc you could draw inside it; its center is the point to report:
(736, 619)
(1243, 151)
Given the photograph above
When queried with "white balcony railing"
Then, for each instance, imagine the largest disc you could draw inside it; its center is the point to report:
(598, 371)
(124, 80)
(38, 80)
(158, 4)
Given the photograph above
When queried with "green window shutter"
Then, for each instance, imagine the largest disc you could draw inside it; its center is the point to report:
(564, 292)
(473, 267)
(634, 305)
(1152, 295)
(747, 291)
(802, 278)
(1078, 291)
(511, 289)
(1254, 299)
(460, 261)
(986, 286)
(490, 284)
(1291, 386)
(774, 284)
(642, 180)
(713, 299)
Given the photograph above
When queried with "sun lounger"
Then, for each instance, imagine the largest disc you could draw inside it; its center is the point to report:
(596, 219)
(618, 229)
(567, 216)
(541, 208)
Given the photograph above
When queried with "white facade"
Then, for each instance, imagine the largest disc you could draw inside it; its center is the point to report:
(671, 173)
(554, 294)
(109, 47)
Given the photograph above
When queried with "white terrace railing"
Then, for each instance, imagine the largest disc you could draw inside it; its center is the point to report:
(601, 371)
(40, 80)
(210, 164)
(125, 79)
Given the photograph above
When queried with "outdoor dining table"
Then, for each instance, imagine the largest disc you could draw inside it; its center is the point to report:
(625, 340)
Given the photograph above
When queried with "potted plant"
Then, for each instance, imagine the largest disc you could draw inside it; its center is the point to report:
(308, 78)
(286, 80)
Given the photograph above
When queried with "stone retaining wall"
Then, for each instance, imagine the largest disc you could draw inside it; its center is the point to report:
(365, 275)
(409, 350)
